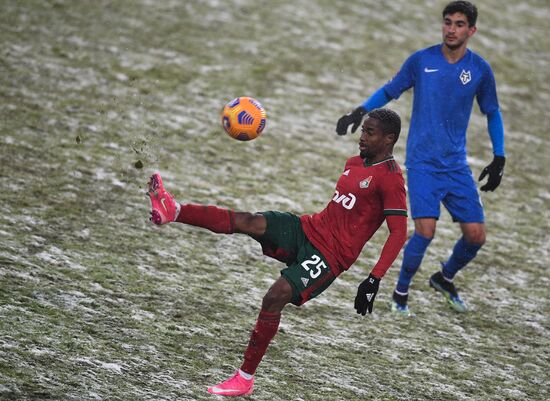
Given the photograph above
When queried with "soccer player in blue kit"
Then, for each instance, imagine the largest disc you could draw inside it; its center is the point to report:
(446, 79)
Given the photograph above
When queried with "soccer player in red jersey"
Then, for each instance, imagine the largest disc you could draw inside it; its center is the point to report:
(316, 248)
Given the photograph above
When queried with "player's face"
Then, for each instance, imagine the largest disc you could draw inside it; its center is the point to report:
(373, 144)
(456, 31)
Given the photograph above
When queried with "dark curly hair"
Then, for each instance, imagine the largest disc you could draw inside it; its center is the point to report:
(464, 7)
(390, 122)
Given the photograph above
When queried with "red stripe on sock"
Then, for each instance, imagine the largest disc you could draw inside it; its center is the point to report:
(264, 331)
(213, 218)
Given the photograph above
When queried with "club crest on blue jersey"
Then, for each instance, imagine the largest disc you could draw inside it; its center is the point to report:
(465, 77)
(365, 183)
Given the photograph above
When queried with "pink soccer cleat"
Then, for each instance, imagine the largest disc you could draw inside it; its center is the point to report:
(233, 387)
(164, 209)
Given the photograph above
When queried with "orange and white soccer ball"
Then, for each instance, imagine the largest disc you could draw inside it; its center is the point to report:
(244, 118)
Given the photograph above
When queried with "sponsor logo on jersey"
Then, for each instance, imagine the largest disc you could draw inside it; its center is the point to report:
(426, 69)
(346, 173)
(465, 77)
(348, 201)
(305, 281)
(365, 183)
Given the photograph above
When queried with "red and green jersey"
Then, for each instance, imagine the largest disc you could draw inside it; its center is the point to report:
(365, 194)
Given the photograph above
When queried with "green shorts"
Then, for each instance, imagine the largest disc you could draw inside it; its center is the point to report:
(307, 270)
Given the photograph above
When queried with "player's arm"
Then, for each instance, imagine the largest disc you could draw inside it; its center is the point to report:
(495, 170)
(397, 224)
(403, 80)
(378, 99)
(487, 100)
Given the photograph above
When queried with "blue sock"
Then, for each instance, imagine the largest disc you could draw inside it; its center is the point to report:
(412, 257)
(463, 252)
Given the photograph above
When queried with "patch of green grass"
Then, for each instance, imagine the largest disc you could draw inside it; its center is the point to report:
(96, 303)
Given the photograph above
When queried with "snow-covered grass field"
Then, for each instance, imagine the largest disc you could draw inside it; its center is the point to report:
(98, 304)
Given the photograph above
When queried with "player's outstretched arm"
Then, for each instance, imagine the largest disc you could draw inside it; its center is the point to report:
(397, 224)
(375, 101)
(366, 293)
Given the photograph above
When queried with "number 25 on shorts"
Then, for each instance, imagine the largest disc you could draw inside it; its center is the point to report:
(314, 266)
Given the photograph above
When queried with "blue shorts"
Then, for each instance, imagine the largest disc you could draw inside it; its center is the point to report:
(457, 191)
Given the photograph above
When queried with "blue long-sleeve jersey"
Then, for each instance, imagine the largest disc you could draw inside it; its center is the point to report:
(442, 105)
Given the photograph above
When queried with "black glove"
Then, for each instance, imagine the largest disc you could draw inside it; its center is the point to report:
(495, 171)
(355, 118)
(365, 294)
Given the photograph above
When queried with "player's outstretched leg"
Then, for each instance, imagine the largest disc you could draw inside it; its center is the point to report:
(164, 208)
(236, 385)
(447, 288)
